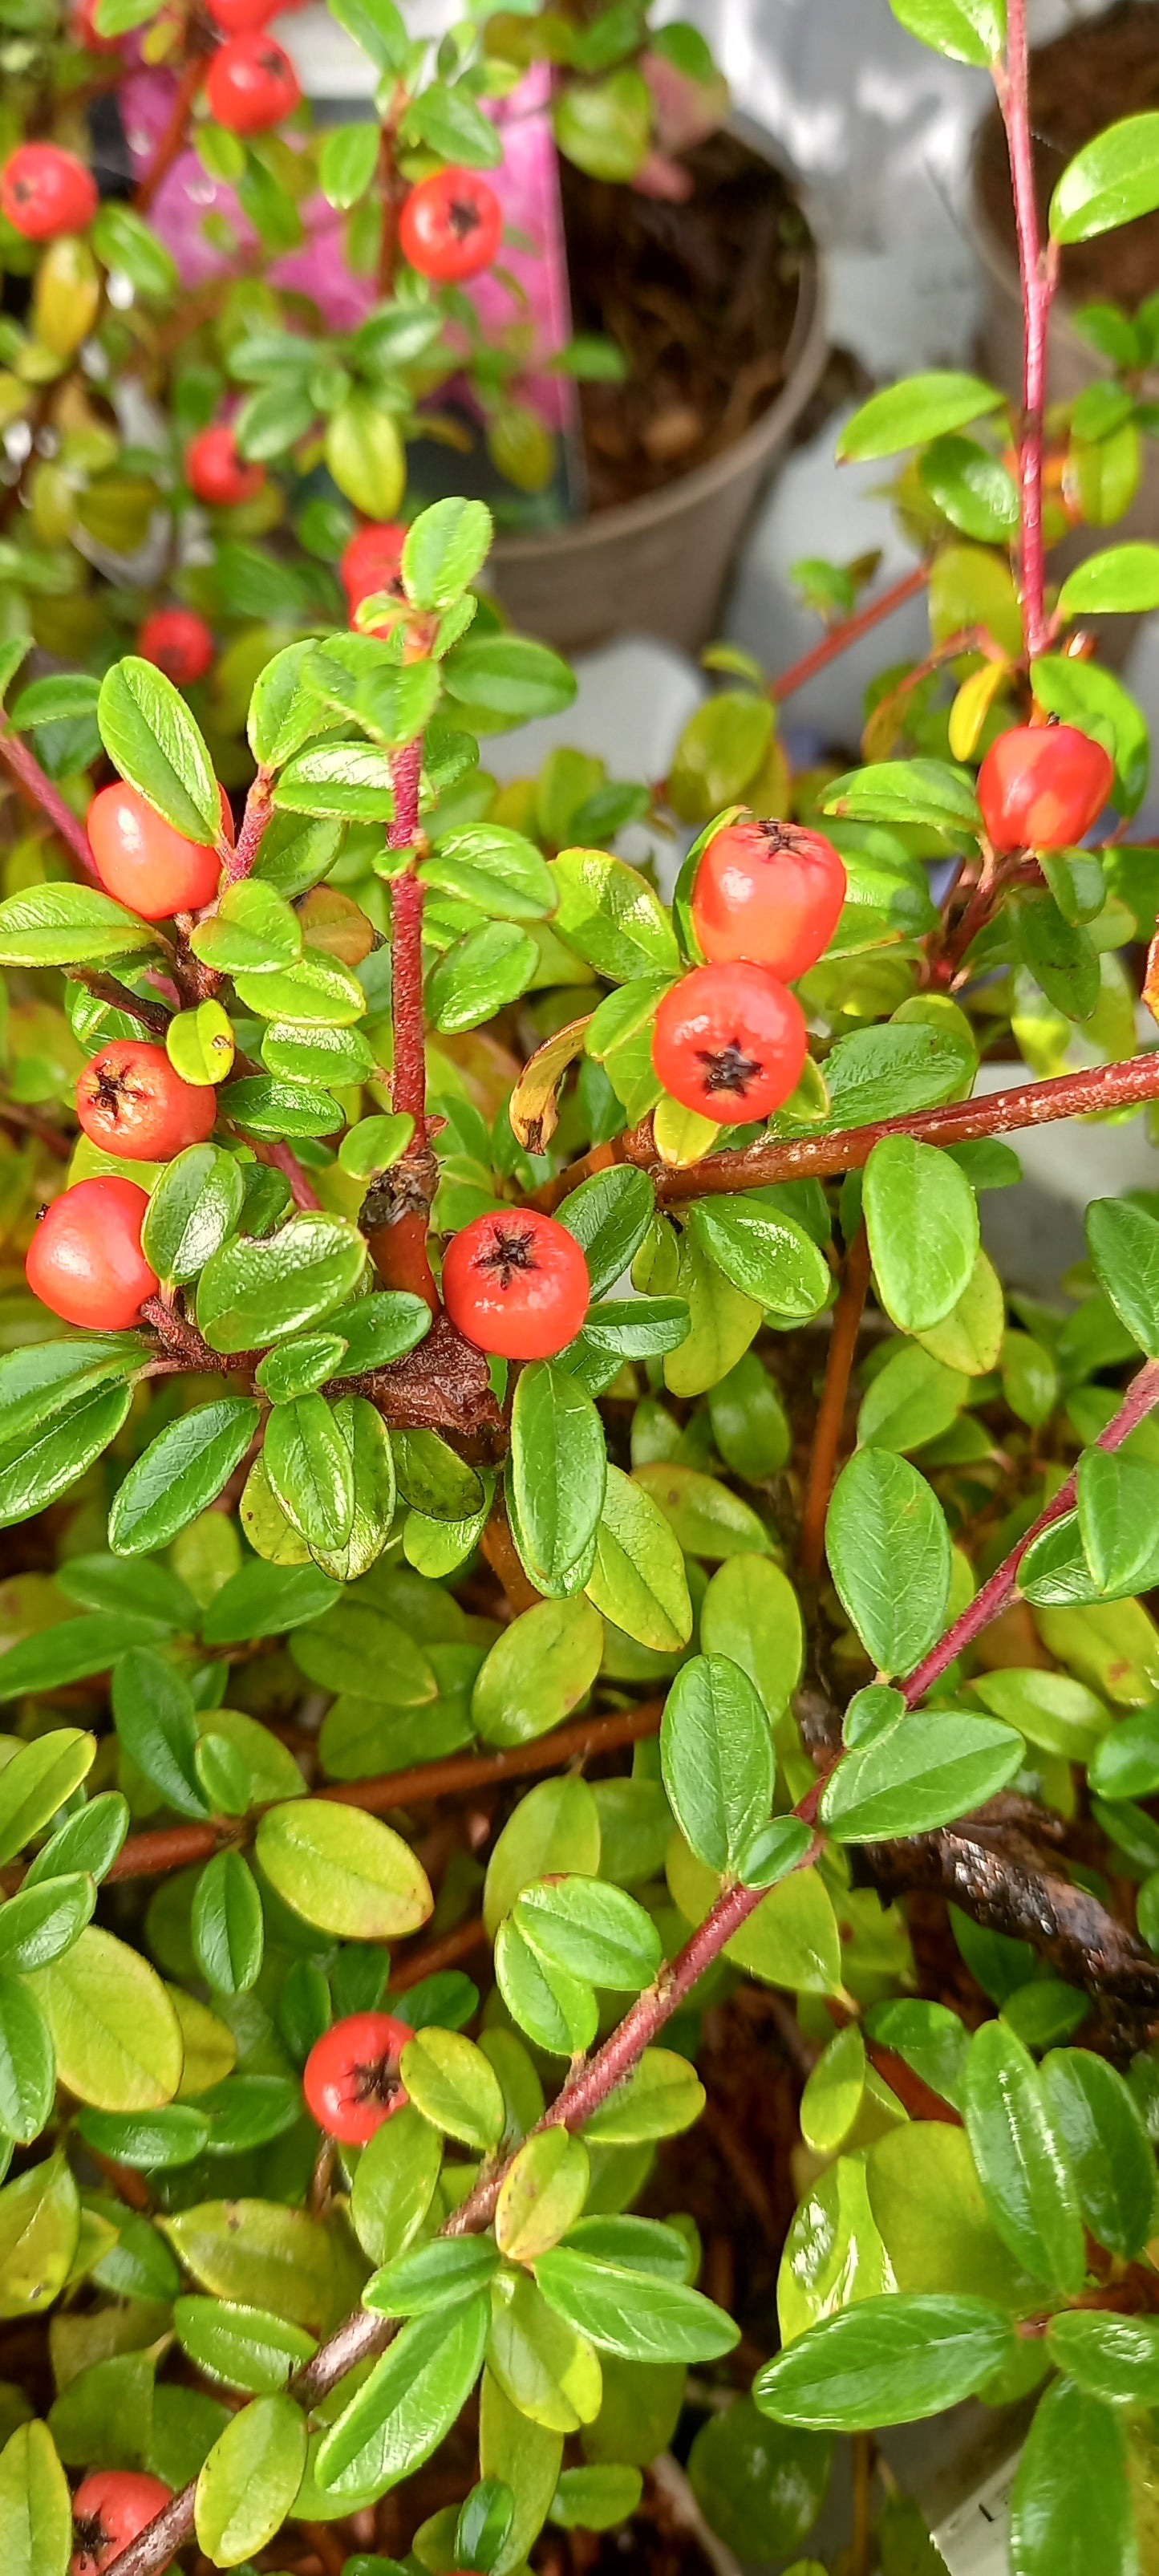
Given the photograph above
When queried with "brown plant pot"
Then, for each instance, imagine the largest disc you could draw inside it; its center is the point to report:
(658, 565)
(1116, 266)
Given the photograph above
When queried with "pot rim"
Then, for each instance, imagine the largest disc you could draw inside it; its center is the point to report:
(805, 353)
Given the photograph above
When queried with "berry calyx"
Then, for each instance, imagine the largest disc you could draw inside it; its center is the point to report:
(371, 561)
(771, 892)
(44, 191)
(351, 2078)
(516, 1283)
(251, 84)
(179, 643)
(143, 862)
(1040, 787)
(451, 225)
(729, 1042)
(85, 1260)
(108, 2510)
(133, 1102)
(241, 17)
(214, 471)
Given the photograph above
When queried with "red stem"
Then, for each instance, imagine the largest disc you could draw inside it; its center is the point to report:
(847, 1316)
(169, 143)
(258, 809)
(176, 1846)
(39, 790)
(302, 1191)
(1039, 275)
(849, 632)
(1140, 1399)
(1001, 1113)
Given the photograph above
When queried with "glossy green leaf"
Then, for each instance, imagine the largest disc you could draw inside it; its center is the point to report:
(151, 738)
(1111, 181)
(559, 1472)
(244, 2347)
(539, 1669)
(410, 2400)
(969, 31)
(889, 1553)
(764, 1253)
(66, 925)
(38, 1780)
(250, 2480)
(922, 1266)
(115, 2032)
(157, 1724)
(1022, 2158)
(1124, 1245)
(638, 1579)
(1070, 2509)
(343, 1870)
(1110, 2153)
(256, 1293)
(36, 2533)
(450, 2082)
(226, 1924)
(918, 408)
(717, 1756)
(885, 2361)
(922, 1773)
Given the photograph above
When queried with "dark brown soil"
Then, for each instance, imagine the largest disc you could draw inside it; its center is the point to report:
(1085, 80)
(701, 297)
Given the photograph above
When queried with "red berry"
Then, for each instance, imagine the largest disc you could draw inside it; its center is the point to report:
(516, 1283)
(179, 643)
(251, 84)
(131, 1101)
(108, 2510)
(214, 471)
(241, 17)
(44, 191)
(351, 2076)
(371, 560)
(451, 225)
(143, 862)
(768, 891)
(85, 1260)
(730, 1042)
(1040, 787)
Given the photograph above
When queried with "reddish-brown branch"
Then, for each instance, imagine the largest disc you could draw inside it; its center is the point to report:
(999, 1113)
(850, 631)
(36, 789)
(363, 2335)
(176, 1846)
(831, 1411)
(1039, 274)
(1140, 1399)
(437, 1955)
(170, 142)
(503, 1557)
(388, 235)
(284, 1160)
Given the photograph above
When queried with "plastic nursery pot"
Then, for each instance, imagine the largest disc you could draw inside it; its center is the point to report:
(659, 565)
(1088, 91)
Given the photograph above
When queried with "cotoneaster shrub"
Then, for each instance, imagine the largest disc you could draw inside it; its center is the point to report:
(441, 1372)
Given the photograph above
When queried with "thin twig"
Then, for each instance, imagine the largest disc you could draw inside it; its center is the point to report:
(1140, 1399)
(172, 138)
(849, 632)
(363, 2335)
(39, 790)
(1039, 275)
(151, 1855)
(847, 1316)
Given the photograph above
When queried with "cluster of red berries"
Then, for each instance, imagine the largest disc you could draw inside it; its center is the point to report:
(85, 1260)
(730, 1038)
(44, 191)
